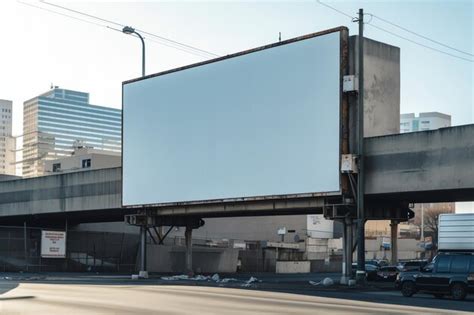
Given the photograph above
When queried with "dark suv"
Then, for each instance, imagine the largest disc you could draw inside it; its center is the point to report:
(448, 274)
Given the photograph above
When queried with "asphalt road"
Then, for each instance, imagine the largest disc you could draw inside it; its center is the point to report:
(61, 298)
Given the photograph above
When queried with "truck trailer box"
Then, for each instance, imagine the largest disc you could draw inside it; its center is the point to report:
(456, 232)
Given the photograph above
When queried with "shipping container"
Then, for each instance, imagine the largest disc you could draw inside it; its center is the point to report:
(456, 232)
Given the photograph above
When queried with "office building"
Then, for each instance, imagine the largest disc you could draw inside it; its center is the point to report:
(7, 142)
(424, 121)
(56, 122)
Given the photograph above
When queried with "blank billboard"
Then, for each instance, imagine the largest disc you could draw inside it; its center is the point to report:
(264, 122)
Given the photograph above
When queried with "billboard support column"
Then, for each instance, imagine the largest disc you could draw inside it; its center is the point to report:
(143, 270)
(349, 247)
(189, 250)
(346, 250)
(360, 274)
(394, 241)
(25, 245)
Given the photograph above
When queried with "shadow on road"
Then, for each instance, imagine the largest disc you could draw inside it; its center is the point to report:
(16, 298)
(389, 298)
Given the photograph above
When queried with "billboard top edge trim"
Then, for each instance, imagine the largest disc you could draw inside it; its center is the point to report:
(241, 53)
(235, 200)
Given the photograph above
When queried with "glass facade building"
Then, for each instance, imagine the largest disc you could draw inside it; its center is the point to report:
(60, 120)
(7, 142)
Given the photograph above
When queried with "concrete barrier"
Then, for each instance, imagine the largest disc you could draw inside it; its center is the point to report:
(163, 258)
(293, 266)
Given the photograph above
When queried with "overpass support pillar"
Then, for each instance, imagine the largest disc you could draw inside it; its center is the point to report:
(143, 273)
(188, 234)
(347, 244)
(394, 241)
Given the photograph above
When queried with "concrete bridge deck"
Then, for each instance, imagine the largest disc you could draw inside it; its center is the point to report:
(429, 166)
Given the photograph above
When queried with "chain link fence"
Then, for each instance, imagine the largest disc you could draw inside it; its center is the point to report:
(20, 250)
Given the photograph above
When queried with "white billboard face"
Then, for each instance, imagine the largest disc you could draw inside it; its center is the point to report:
(257, 124)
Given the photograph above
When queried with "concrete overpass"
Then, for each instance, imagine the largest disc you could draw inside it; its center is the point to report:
(429, 166)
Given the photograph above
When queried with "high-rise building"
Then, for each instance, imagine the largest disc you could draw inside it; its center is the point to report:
(424, 121)
(56, 122)
(7, 142)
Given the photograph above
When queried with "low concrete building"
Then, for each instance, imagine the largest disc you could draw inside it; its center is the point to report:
(84, 159)
(424, 121)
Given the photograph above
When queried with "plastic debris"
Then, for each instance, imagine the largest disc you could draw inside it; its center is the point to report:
(175, 278)
(200, 278)
(186, 277)
(225, 280)
(325, 282)
(214, 278)
(250, 281)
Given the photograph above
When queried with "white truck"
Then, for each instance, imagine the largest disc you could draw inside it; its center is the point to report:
(456, 232)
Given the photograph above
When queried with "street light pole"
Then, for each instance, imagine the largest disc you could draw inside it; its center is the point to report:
(143, 229)
(130, 30)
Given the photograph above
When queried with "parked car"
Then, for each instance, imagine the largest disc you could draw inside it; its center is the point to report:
(377, 262)
(449, 274)
(370, 271)
(387, 273)
(383, 263)
(412, 265)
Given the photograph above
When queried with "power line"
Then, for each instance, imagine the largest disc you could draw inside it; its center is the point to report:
(178, 43)
(81, 13)
(108, 27)
(175, 47)
(111, 28)
(66, 15)
(422, 45)
(337, 10)
(419, 35)
(399, 36)
(78, 19)
(183, 47)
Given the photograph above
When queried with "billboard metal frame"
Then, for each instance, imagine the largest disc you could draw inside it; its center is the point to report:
(343, 128)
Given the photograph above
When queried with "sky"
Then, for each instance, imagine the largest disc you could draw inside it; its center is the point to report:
(40, 48)
(43, 48)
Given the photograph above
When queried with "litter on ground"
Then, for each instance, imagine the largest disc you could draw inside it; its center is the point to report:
(214, 278)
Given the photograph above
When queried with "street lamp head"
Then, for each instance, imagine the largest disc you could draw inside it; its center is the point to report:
(128, 30)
